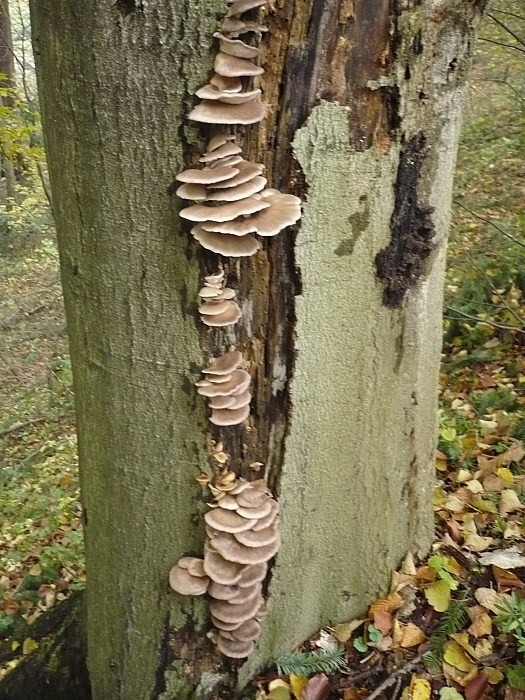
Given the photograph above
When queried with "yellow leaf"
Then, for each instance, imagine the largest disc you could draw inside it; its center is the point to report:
(493, 675)
(455, 655)
(279, 694)
(29, 646)
(420, 689)
(438, 595)
(505, 474)
(343, 632)
(298, 683)
(484, 506)
(35, 570)
(481, 622)
(452, 566)
(462, 639)
(407, 636)
(15, 645)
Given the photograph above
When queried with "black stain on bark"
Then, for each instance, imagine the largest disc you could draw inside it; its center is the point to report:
(402, 262)
(126, 7)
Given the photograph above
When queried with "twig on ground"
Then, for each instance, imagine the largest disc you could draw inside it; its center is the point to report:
(491, 223)
(393, 678)
(463, 315)
(18, 426)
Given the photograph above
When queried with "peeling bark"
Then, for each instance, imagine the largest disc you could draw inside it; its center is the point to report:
(344, 362)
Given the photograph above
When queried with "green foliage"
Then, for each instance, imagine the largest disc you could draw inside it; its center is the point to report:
(452, 621)
(512, 618)
(439, 564)
(307, 663)
(516, 676)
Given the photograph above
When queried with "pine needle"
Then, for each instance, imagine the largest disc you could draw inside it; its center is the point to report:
(306, 663)
(452, 621)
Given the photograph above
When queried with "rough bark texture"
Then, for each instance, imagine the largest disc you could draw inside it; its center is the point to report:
(7, 68)
(341, 320)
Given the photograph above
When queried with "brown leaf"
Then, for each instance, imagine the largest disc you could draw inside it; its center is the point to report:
(476, 687)
(506, 579)
(317, 688)
(387, 603)
(481, 622)
(513, 693)
(383, 621)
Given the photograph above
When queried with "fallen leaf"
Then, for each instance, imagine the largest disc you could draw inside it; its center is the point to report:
(506, 580)
(493, 675)
(476, 543)
(462, 639)
(448, 693)
(29, 646)
(344, 631)
(35, 570)
(420, 689)
(510, 558)
(490, 599)
(317, 688)
(455, 655)
(298, 684)
(408, 635)
(476, 687)
(509, 502)
(505, 475)
(387, 603)
(408, 566)
(482, 649)
(279, 690)
(481, 621)
(383, 621)
(438, 595)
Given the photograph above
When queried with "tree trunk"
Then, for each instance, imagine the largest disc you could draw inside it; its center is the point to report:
(7, 68)
(341, 324)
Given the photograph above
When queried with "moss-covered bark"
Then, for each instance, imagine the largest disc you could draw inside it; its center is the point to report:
(345, 372)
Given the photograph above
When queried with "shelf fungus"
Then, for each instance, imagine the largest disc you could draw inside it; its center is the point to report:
(242, 536)
(226, 385)
(218, 306)
(232, 201)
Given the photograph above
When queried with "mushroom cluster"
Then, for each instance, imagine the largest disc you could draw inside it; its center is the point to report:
(225, 100)
(242, 530)
(232, 203)
(226, 385)
(218, 306)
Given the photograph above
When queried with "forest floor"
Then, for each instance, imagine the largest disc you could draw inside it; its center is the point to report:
(451, 627)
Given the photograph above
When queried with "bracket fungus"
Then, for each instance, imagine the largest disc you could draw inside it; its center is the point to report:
(227, 388)
(233, 572)
(218, 306)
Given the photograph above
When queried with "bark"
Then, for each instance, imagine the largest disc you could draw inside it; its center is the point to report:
(56, 670)
(342, 319)
(7, 67)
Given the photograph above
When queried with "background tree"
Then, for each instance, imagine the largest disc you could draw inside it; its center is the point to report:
(342, 322)
(7, 74)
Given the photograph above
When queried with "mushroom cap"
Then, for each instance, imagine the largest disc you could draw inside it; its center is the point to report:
(221, 570)
(186, 584)
(223, 212)
(208, 176)
(239, 382)
(247, 171)
(224, 626)
(240, 486)
(233, 67)
(221, 138)
(267, 519)
(284, 211)
(232, 550)
(221, 82)
(195, 567)
(212, 308)
(247, 593)
(215, 279)
(239, 401)
(248, 631)
(215, 112)
(226, 416)
(232, 194)
(239, 7)
(259, 538)
(234, 27)
(230, 246)
(208, 292)
(209, 92)
(224, 520)
(252, 498)
(236, 47)
(225, 611)
(228, 502)
(234, 649)
(258, 512)
(193, 190)
(213, 379)
(226, 149)
(229, 161)
(221, 592)
(252, 574)
(226, 318)
(225, 364)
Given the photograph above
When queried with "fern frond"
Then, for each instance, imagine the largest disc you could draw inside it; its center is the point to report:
(452, 621)
(306, 663)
